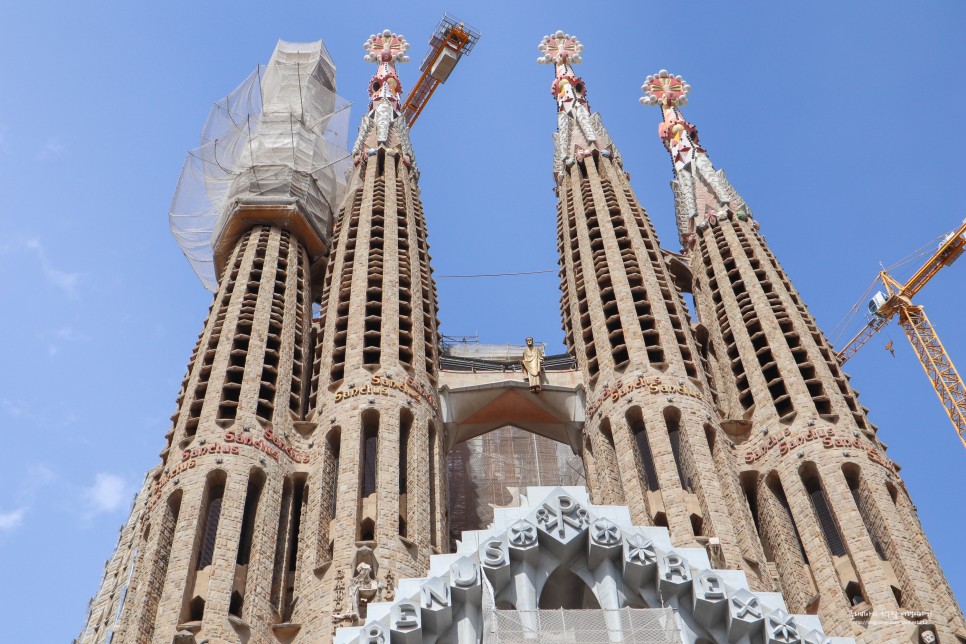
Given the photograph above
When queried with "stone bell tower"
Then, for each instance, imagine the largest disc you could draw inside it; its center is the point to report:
(211, 552)
(837, 524)
(652, 439)
(373, 393)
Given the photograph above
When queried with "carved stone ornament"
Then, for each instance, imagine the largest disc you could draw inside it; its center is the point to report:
(622, 565)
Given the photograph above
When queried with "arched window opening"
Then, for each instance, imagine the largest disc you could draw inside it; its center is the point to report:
(697, 524)
(854, 592)
(158, 572)
(851, 473)
(300, 497)
(196, 609)
(565, 590)
(672, 419)
(660, 520)
(645, 457)
(893, 493)
(367, 530)
(775, 486)
(294, 500)
(710, 435)
(370, 451)
(405, 427)
(609, 463)
(826, 520)
(206, 535)
(281, 540)
(236, 604)
(210, 521)
(898, 595)
(749, 484)
(334, 443)
(256, 481)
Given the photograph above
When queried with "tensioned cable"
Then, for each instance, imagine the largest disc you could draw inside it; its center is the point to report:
(441, 277)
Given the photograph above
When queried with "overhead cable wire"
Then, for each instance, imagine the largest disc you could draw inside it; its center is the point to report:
(441, 277)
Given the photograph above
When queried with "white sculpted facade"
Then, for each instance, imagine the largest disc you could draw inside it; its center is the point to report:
(558, 551)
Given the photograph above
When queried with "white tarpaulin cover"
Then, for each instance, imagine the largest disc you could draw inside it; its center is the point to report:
(282, 132)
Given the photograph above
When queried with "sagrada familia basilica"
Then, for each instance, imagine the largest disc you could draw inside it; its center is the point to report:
(730, 486)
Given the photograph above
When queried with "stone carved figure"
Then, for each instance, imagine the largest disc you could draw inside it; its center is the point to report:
(364, 589)
(532, 362)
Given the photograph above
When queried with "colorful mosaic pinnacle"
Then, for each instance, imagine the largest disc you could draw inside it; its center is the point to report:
(386, 47)
(560, 49)
(664, 89)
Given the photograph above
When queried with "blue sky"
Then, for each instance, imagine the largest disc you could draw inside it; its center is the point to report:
(840, 124)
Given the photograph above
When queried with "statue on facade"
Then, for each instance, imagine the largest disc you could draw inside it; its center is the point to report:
(532, 362)
(364, 588)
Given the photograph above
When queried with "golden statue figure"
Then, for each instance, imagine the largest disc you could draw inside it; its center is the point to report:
(532, 362)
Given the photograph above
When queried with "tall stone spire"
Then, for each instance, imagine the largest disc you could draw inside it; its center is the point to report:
(211, 549)
(652, 439)
(380, 469)
(700, 191)
(824, 494)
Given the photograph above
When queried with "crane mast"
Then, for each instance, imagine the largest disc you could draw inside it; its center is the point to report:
(935, 360)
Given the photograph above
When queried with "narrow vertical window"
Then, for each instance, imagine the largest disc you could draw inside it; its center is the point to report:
(255, 483)
(645, 458)
(211, 519)
(852, 478)
(749, 485)
(779, 493)
(205, 538)
(299, 497)
(284, 514)
(370, 451)
(334, 441)
(672, 418)
(158, 572)
(405, 427)
(826, 520)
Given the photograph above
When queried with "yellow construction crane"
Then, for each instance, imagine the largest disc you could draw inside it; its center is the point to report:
(451, 40)
(897, 300)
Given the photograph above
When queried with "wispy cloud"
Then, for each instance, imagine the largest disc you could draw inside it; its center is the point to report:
(37, 477)
(68, 282)
(108, 493)
(51, 149)
(59, 336)
(10, 521)
(13, 408)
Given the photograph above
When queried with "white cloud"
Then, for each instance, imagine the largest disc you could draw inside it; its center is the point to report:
(56, 337)
(12, 520)
(37, 477)
(108, 493)
(65, 281)
(15, 409)
(52, 149)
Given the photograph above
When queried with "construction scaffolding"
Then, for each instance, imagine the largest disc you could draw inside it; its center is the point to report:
(282, 134)
(490, 471)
